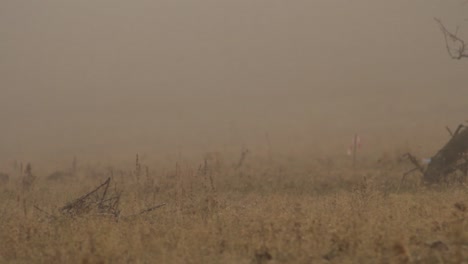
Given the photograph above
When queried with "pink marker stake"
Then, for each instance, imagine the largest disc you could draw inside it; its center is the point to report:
(355, 145)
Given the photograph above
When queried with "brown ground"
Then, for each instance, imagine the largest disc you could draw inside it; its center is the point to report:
(270, 210)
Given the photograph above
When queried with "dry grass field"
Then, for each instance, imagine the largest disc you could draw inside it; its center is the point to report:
(224, 210)
(217, 131)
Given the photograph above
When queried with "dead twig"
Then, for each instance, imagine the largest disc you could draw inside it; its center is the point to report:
(146, 210)
(449, 131)
(418, 167)
(49, 215)
(242, 158)
(415, 162)
(457, 48)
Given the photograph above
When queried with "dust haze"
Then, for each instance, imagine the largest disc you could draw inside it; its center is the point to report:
(114, 78)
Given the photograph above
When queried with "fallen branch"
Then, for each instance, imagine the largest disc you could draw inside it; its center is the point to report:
(447, 160)
(99, 202)
(94, 201)
(452, 157)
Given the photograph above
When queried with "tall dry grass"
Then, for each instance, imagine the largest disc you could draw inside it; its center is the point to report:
(285, 209)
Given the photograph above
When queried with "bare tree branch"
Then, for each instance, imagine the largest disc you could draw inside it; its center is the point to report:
(456, 47)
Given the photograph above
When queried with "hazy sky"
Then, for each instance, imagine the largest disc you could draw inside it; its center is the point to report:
(100, 74)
